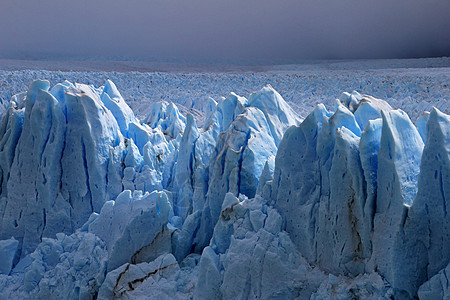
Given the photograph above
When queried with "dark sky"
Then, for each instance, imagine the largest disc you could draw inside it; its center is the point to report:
(225, 31)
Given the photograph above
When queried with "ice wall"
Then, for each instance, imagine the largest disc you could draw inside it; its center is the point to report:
(373, 201)
(257, 203)
(66, 151)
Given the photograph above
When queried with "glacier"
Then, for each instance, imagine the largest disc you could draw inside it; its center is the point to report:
(254, 203)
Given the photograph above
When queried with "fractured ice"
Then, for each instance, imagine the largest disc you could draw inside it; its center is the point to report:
(257, 203)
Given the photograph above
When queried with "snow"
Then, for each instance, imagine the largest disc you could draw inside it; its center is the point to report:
(241, 199)
(412, 85)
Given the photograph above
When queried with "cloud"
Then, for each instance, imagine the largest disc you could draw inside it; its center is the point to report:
(225, 31)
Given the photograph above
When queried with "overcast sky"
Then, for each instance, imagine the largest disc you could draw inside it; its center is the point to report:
(225, 31)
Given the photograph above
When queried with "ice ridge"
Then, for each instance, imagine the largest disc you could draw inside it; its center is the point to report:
(256, 203)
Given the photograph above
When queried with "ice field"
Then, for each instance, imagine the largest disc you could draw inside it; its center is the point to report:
(318, 181)
(414, 85)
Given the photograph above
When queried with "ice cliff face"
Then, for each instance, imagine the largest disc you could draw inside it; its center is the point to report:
(257, 203)
(355, 202)
(64, 153)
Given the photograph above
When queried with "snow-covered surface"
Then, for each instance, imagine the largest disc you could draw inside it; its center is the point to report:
(244, 200)
(414, 85)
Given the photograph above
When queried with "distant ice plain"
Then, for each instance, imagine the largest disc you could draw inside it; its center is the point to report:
(414, 85)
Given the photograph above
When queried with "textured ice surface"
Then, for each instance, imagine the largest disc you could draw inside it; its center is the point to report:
(353, 202)
(129, 224)
(398, 169)
(162, 278)
(69, 267)
(57, 175)
(367, 286)
(242, 149)
(255, 203)
(68, 150)
(413, 85)
(165, 116)
(251, 257)
(437, 287)
(423, 249)
(8, 250)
